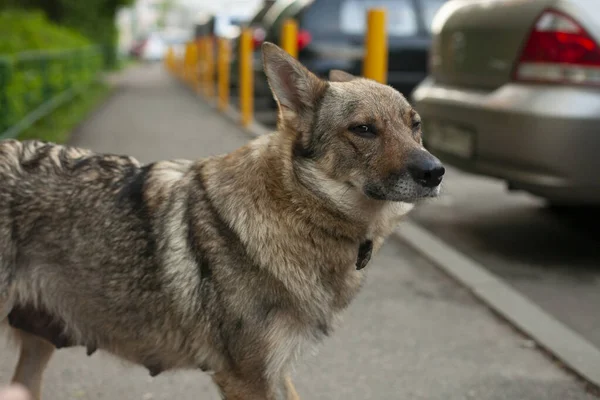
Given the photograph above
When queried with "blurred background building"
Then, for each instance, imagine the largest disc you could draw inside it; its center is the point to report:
(175, 19)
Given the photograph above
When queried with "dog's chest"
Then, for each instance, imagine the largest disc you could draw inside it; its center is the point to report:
(288, 342)
(317, 308)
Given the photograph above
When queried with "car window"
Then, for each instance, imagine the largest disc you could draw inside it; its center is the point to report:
(321, 17)
(401, 16)
(428, 10)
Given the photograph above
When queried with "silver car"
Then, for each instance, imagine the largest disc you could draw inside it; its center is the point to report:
(513, 92)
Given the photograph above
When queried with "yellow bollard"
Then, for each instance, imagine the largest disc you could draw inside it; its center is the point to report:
(246, 74)
(193, 77)
(169, 59)
(183, 64)
(186, 62)
(186, 56)
(289, 37)
(201, 63)
(223, 74)
(172, 59)
(375, 64)
(209, 54)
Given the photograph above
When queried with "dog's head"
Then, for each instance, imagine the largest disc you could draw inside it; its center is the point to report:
(354, 131)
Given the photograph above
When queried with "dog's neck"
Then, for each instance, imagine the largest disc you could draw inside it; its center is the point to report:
(298, 189)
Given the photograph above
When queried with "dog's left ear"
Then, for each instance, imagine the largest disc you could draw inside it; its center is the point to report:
(294, 86)
(337, 75)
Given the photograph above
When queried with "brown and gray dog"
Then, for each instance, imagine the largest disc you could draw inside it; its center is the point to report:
(234, 264)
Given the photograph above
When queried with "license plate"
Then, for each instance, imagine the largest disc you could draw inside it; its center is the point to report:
(450, 138)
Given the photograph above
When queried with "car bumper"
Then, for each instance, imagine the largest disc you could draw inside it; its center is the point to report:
(542, 139)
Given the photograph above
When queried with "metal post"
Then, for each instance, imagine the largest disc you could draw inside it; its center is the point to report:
(201, 67)
(168, 62)
(289, 37)
(246, 78)
(193, 80)
(186, 62)
(209, 83)
(223, 74)
(376, 55)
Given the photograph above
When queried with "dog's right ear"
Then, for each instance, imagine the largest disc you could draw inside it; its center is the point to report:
(294, 86)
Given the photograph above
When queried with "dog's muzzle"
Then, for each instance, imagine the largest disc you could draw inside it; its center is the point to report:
(419, 178)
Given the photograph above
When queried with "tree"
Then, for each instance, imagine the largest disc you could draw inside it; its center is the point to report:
(165, 7)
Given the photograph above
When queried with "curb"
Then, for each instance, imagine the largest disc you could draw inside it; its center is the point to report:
(578, 354)
(573, 350)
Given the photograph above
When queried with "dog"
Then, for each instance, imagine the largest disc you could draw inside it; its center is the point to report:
(235, 264)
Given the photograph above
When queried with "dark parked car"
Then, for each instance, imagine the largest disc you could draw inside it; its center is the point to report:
(255, 24)
(332, 32)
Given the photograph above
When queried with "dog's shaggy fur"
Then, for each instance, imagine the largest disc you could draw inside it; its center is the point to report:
(233, 264)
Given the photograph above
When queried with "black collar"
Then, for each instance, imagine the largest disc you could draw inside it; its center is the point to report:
(364, 254)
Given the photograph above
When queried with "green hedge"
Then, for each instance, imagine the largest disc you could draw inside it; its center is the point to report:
(30, 30)
(58, 126)
(41, 65)
(31, 80)
(94, 19)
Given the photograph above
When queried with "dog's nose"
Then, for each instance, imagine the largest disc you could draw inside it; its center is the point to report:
(427, 171)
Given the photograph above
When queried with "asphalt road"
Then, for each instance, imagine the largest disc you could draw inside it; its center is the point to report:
(550, 257)
(412, 333)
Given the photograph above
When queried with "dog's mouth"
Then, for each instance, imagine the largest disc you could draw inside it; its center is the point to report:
(405, 190)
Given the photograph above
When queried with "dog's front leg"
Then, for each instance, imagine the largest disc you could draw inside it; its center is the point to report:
(34, 356)
(289, 390)
(234, 387)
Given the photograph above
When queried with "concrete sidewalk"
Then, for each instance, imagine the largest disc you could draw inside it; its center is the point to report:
(411, 334)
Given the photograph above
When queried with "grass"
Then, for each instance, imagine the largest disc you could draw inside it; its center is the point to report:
(59, 125)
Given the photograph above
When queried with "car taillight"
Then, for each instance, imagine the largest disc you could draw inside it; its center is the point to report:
(304, 39)
(258, 37)
(559, 50)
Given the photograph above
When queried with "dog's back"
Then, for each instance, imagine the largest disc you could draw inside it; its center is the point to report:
(100, 251)
(78, 244)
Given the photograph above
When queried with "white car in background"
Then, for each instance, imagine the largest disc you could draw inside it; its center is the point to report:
(156, 45)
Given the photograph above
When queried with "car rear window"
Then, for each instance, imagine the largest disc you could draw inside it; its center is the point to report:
(401, 16)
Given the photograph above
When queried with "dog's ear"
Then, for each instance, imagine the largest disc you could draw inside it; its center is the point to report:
(337, 75)
(294, 86)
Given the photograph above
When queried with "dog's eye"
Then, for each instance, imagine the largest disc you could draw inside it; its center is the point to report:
(416, 125)
(367, 131)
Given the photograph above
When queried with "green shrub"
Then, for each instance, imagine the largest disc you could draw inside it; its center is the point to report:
(94, 19)
(58, 126)
(35, 78)
(30, 30)
(39, 61)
